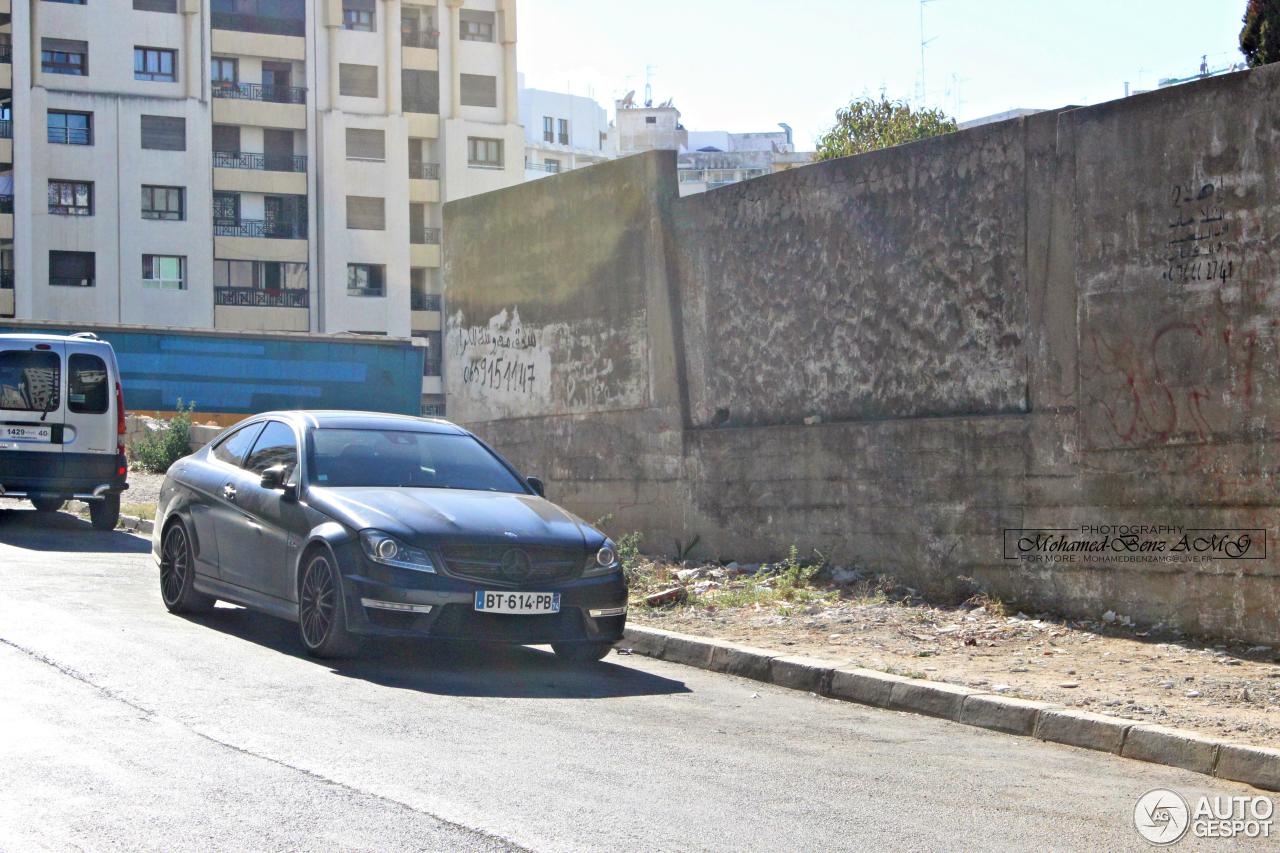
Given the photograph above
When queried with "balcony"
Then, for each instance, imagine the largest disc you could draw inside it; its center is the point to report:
(6, 293)
(6, 53)
(424, 301)
(6, 128)
(267, 17)
(6, 217)
(431, 366)
(6, 279)
(260, 162)
(255, 297)
(420, 235)
(6, 204)
(553, 168)
(262, 310)
(260, 92)
(424, 171)
(426, 40)
(261, 229)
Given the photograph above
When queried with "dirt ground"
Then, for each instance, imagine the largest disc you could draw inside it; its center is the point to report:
(1228, 690)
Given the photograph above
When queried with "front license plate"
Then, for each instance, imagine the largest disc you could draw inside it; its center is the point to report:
(518, 603)
(27, 433)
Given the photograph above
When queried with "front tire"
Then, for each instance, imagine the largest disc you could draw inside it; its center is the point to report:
(47, 505)
(178, 574)
(104, 513)
(581, 652)
(321, 616)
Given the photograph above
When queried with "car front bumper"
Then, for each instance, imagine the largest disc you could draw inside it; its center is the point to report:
(398, 603)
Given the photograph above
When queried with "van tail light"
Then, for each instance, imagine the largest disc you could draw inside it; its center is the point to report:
(121, 465)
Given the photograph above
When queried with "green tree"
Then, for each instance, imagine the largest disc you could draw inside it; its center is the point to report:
(1260, 38)
(868, 124)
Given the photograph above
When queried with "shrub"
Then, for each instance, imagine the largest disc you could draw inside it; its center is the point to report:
(156, 452)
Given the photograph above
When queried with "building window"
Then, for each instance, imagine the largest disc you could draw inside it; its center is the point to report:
(479, 90)
(420, 91)
(564, 130)
(168, 203)
(71, 269)
(358, 15)
(548, 129)
(164, 272)
(484, 152)
(260, 275)
(156, 5)
(63, 56)
(155, 64)
(226, 210)
(360, 81)
(417, 29)
(552, 166)
(68, 2)
(650, 119)
(164, 133)
(365, 144)
(71, 198)
(365, 280)
(224, 73)
(366, 213)
(476, 25)
(70, 128)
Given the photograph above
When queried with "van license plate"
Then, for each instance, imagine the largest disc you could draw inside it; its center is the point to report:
(27, 433)
(518, 603)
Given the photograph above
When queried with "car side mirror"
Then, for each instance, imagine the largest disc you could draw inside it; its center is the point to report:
(273, 479)
(539, 488)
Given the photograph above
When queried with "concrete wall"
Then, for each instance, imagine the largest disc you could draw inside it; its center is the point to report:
(1061, 320)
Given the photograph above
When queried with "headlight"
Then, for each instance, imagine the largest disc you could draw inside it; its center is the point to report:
(389, 551)
(604, 561)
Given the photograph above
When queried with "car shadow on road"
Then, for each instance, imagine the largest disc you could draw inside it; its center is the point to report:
(62, 532)
(455, 669)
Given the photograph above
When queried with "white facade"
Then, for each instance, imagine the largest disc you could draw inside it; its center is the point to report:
(562, 132)
(278, 218)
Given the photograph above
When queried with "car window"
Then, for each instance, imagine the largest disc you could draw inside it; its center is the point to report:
(87, 385)
(30, 380)
(402, 459)
(233, 448)
(276, 446)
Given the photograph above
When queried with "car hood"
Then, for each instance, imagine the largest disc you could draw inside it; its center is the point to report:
(437, 515)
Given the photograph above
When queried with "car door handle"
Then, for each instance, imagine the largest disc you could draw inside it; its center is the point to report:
(229, 492)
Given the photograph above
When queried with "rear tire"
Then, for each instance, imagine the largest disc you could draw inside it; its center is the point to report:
(322, 622)
(178, 574)
(47, 505)
(581, 652)
(104, 513)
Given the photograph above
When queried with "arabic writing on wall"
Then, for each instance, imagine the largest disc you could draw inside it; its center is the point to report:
(1196, 250)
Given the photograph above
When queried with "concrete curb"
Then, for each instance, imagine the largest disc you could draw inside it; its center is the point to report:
(133, 524)
(1253, 765)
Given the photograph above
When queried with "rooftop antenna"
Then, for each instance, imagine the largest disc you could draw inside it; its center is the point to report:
(924, 89)
(648, 85)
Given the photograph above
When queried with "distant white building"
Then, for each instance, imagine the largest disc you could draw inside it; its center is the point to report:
(717, 158)
(562, 132)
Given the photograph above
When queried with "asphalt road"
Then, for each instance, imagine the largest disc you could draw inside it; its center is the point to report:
(125, 728)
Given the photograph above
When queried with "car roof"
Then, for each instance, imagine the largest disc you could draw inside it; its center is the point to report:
(336, 419)
(53, 339)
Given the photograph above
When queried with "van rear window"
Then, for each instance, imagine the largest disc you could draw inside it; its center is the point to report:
(87, 385)
(30, 380)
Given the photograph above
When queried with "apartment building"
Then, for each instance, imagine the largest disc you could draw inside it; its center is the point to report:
(248, 164)
(563, 132)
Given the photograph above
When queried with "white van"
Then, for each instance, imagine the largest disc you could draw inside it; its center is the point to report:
(62, 424)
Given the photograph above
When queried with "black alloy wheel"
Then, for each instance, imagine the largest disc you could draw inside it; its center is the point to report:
(178, 574)
(320, 616)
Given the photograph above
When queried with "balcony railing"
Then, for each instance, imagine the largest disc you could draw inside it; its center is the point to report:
(431, 366)
(6, 53)
(260, 162)
(70, 135)
(254, 297)
(6, 279)
(420, 235)
(6, 128)
(284, 230)
(260, 92)
(6, 204)
(424, 171)
(271, 17)
(553, 168)
(429, 40)
(424, 301)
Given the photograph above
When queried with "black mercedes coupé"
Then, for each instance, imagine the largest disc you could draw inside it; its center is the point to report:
(355, 524)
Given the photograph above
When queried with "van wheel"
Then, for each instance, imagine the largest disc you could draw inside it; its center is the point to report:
(48, 504)
(105, 513)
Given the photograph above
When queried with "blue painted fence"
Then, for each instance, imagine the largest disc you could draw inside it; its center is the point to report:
(245, 374)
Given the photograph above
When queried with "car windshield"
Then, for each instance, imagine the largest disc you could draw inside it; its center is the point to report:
(403, 459)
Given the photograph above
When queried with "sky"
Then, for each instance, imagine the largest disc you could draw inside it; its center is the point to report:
(746, 65)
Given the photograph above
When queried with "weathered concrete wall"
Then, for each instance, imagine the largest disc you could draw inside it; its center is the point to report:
(1063, 320)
